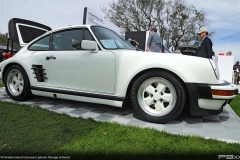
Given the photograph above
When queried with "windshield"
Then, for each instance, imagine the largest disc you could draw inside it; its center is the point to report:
(110, 39)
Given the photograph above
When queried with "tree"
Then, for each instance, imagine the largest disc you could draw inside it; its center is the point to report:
(176, 22)
(3, 41)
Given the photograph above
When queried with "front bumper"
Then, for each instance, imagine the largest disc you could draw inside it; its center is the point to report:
(203, 99)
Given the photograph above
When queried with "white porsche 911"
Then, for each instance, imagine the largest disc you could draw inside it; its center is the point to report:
(94, 64)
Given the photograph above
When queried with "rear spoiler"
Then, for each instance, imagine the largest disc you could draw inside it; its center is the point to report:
(23, 31)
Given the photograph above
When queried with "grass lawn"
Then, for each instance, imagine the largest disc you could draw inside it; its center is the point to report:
(235, 105)
(1, 84)
(35, 131)
(26, 130)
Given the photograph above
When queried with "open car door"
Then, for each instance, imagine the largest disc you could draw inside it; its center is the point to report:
(23, 31)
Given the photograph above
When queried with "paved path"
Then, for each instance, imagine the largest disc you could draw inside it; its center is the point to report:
(225, 126)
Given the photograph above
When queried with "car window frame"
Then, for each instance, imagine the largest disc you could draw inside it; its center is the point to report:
(69, 29)
(48, 35)
(133, 48)
(51, 39)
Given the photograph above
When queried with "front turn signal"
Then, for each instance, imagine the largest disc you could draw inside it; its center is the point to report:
(222, 93)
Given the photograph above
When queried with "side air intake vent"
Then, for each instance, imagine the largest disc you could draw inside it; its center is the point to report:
(39, 73)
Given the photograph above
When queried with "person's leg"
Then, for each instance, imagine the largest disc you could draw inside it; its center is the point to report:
(235, 77)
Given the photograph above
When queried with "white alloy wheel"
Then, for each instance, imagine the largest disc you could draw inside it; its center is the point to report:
(15, 82)
(157, 96)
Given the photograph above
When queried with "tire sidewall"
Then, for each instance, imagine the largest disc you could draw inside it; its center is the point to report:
(180, 99)
(26, 93)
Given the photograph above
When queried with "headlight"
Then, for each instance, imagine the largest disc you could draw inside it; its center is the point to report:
(215, 68)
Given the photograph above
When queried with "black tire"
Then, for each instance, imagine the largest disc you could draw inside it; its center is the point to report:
(19, 90)
(167, 104)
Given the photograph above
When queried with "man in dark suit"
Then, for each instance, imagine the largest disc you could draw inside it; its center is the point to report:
(236, 69)
(205, 49)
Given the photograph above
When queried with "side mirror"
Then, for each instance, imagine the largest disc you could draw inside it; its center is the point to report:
(89, 45)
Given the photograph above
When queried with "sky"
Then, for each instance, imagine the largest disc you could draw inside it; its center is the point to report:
(224, 16)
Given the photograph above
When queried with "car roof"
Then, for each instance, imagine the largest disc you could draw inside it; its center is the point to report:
(69, 27)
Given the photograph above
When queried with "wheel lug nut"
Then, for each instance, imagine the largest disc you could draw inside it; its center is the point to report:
(155, 90)
(154, 101)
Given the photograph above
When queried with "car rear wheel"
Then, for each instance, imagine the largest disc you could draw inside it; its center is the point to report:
(17, 84)
(158, 96)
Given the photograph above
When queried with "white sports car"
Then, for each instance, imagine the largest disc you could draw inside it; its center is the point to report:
(93, 64)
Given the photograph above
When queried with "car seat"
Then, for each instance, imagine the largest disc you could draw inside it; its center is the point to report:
(67, 44)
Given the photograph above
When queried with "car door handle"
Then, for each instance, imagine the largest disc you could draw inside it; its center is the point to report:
(50, 57)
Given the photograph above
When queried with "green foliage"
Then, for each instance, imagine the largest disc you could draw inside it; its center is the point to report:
(36, 131)
(1, 84)
(29, 130)
(235, 105)
(3, 41)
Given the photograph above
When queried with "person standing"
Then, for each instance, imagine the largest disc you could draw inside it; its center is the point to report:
(205, 49)
(236, 72)
(154, 41)
(229, 53)
(6, 55)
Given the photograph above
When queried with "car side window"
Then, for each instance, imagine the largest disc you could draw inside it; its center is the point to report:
(40, 45)
(67, 40)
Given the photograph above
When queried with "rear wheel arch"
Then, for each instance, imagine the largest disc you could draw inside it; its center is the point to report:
(9, 65)
(17, 82)
(6, 68)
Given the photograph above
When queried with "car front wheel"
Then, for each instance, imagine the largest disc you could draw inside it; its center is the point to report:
(17, 83)
(158, 96)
